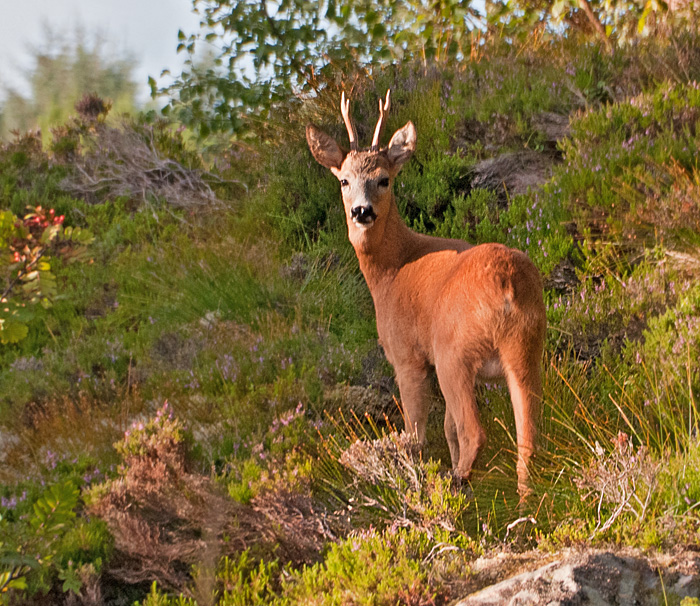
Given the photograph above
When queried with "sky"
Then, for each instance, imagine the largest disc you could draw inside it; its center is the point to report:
(146, 30)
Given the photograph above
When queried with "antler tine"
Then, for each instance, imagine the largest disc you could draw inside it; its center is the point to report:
(345, 110)
(383, 112)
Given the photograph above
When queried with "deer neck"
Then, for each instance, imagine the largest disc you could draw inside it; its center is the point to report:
(383, 249)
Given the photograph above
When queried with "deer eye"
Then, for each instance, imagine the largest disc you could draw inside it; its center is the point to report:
(384, 182)
(344, 183)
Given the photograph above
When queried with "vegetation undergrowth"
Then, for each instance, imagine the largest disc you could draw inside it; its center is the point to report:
(203, 414)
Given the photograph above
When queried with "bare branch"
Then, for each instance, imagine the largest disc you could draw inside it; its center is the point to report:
(595, 23)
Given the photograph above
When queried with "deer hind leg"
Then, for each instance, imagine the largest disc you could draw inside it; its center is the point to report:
(465, 435)
(452, 437)
(414, 388)
(523, 373)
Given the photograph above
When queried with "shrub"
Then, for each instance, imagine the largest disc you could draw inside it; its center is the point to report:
(625, 479)
(389, 484)
(157, 598)
(426, 190)
(26, 276)
(614, 303)
(124, 161)
(274, 463)
(48, 544)
(246, 583)
(157, 510)
(672, 342)
(529, 223)
(612, 148)
(382, 568)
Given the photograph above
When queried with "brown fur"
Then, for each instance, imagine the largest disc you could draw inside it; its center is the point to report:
(467, 311)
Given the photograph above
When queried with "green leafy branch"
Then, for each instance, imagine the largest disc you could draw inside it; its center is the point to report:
(272, 51)
(51, 516)
(27, 248)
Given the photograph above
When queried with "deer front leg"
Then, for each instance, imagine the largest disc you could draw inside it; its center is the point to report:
(414, 388)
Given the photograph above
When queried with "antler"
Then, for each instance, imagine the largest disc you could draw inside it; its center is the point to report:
(345, 110)
(383, 111)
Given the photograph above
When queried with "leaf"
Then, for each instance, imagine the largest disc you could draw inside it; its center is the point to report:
(8, 580)
(71, 580)
(559, 8)
(7, 227)
(54, 509)
(14, 310)
(40, 285)
(50, 233)
(12, 331)
(648, 7)
(379, 31)
(77, 235)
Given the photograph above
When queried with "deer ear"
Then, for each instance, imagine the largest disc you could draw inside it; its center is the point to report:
(402, 145)
(324, 148)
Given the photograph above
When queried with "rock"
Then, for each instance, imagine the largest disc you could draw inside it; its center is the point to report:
(598, 578)
(512, 173)
(553, 127)
(172, 350)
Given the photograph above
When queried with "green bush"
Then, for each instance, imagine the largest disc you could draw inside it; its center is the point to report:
(377, 568)
(672, 342)
(49, 542)
(426, 190)
(613, 148)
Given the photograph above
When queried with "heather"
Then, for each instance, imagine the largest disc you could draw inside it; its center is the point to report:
(199, 412)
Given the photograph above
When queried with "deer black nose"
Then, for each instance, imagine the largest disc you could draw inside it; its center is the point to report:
(362, 214)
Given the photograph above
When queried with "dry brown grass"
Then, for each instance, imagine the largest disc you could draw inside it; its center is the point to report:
(57, 426)
(124, 162)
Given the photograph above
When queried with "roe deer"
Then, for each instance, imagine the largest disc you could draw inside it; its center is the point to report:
(467, 311)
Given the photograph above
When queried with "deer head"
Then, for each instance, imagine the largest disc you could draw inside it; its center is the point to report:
(366, 177)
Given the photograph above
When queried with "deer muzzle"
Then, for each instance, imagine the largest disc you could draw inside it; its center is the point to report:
(362, 215)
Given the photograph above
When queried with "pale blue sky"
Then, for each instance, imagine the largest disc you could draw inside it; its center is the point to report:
(145, 28)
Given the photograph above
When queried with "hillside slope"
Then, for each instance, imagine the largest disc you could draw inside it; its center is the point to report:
(204, 409)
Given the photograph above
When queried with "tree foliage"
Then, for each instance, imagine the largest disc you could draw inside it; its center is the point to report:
(250, 55)
(271, 51)
(610, 22)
